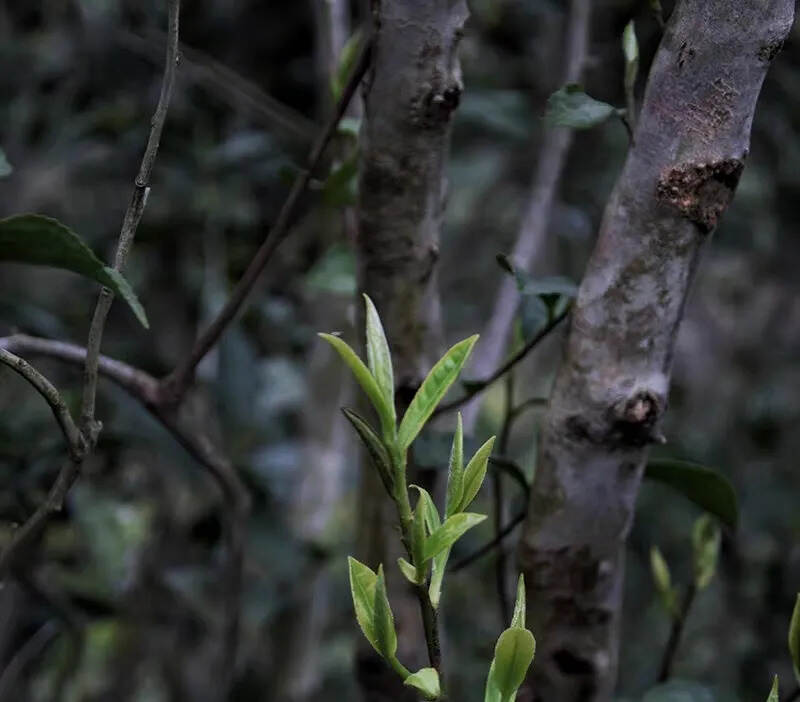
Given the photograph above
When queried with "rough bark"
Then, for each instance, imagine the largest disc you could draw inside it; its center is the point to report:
(611, 391)
(411, 91)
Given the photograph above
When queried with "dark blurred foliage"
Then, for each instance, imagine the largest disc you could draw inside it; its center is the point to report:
(125, 590)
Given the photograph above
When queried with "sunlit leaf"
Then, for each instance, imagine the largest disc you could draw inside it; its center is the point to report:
(383, 620)
(705, 487)
(432, 390)
(426, 681)
(518, 618)
(379, 358)
(455, 470)
(408, 570)
(45, 241)
(451, 530)
(363, 582)
(368, 384)
(374, 446)
(513, 655)
(474, 474)
(432, 519)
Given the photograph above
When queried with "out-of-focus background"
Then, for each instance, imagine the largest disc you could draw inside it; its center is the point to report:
(135, 557)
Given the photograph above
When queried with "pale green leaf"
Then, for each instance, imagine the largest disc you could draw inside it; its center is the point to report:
(408, 570)
(438, 568)
(518, 618)
(363, 581)
(705, 550)
(368, 384)
(432, 520)
(492, 692)
(663, 580)
(426, 680)
(45, 241)
(418, 537)
(571, 107)
(474, 474)
(705, 487)
(383, 620)
(794, 638)
(630, 45)
(432, 390)
(513, 655)
(455, 471)
(451, 530)
(774, 695)
(375, 448)
(379, 357)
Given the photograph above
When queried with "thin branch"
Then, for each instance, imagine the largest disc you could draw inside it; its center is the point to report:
(181, 378)
(130, 223)
(678, 624)
(489, 546)
(46, 389)
(533, 227)
(477, 387)
(137, 382)
(513, 470)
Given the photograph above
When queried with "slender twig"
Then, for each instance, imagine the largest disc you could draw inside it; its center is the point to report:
(46, 389)
(525, 405)
(678, 624)
(470, 558)
(130, 222)
(181, 378)
(513, 470)
(477, 387)
(27, 653)
(533, 227)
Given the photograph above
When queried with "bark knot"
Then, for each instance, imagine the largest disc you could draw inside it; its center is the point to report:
(700, 191)
(770, 50)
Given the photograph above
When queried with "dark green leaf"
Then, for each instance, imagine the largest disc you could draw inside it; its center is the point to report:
(374, 446)
(432, 390)
(571, 107)
(46, 242)
(341, 186)
(707, 488)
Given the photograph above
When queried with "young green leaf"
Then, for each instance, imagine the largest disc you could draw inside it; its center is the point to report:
(408, 570)
(513, 655)
(446, 535)
(44, 241)
(383, 620)
(432, 520)
(432, 390)
(571, 107)
(663, 581)
(630, 46)
(379, 357)
(363, 581)
(705, 550)
(438, 568)
(375, 448)
(705, 487)
(794, 638)
(518, 618)
(774, 695)
(426, 680)
(418, 537)
(347, 59)
(368, 384)
(492, 692)
(455, 470)
(474, 474)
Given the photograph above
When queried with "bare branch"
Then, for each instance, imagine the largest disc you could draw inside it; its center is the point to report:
(477, 387)
(47, 390)
(533, 228)
(130, 223)
(181, 378)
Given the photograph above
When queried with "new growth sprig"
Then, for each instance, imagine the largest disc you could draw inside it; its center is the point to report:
(427, 534)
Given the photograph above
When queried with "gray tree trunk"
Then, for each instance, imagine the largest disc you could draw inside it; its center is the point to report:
(611, 391)
(411, 91)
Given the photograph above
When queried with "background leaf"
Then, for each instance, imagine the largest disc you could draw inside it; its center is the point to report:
(704, 486)
(571, 107)
(44, 241)
(679, 691)
(794, 638)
